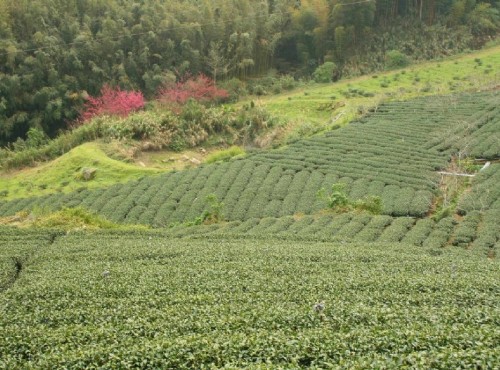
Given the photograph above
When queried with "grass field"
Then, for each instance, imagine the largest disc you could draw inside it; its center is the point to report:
(147, 301)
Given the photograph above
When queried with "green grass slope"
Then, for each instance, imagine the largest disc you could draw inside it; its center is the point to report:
(146, 301)
(63, 175)
(322, 106)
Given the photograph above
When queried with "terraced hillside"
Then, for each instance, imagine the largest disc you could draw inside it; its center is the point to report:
(279, 283)
(393, 153)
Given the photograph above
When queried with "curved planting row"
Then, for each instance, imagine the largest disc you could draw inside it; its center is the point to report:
(246, 188)
(389, 154)
(485, 192)
(349, 227)
(402, 144)
(485, 141)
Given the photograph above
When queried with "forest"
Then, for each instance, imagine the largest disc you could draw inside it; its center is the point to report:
(54, 54)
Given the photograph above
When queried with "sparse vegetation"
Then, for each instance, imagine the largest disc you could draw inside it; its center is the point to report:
(225, 154)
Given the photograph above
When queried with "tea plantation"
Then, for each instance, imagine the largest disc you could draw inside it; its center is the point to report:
(143, 300)
(276, 280)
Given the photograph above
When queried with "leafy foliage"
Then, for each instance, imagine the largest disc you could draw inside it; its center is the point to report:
(54, 54)
(337, 197)
(338, 200)
(152, 130)
(200, 88)
(396, 59)
(325, 72)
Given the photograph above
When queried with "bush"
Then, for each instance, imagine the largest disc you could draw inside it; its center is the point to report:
(396, 59)
(200, 89)
(36, 138)
(288, 82)
(271, 84)
(156, 128)
(337, 199)
(325, 72)
(235, 89)
(371, 204)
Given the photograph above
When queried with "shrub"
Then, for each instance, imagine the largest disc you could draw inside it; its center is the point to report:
(371, 204)
(235, 89)
(271, 84)
(325, 72)
(396, 59)
(337, 199)
(288, 82)
(36, 138)
(114, 102)
(210, 216)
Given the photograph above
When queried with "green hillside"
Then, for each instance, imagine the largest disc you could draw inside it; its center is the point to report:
(323, 105)
(368, 245)
(393, 152)
(64, 174)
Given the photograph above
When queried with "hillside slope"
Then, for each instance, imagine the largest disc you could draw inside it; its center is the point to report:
(393, 153)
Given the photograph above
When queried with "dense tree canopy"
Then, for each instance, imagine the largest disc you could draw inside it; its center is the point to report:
(53, 53)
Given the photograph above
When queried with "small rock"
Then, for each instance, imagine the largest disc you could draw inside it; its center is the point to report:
(88, 173)
(195, 161)
(185, 158)
(140, 163)
(105, 274)
(203, 151)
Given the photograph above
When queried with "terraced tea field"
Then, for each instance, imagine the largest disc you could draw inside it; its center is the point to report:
(477, 229)
(148, 301)
(393, 153)
(277, 281)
